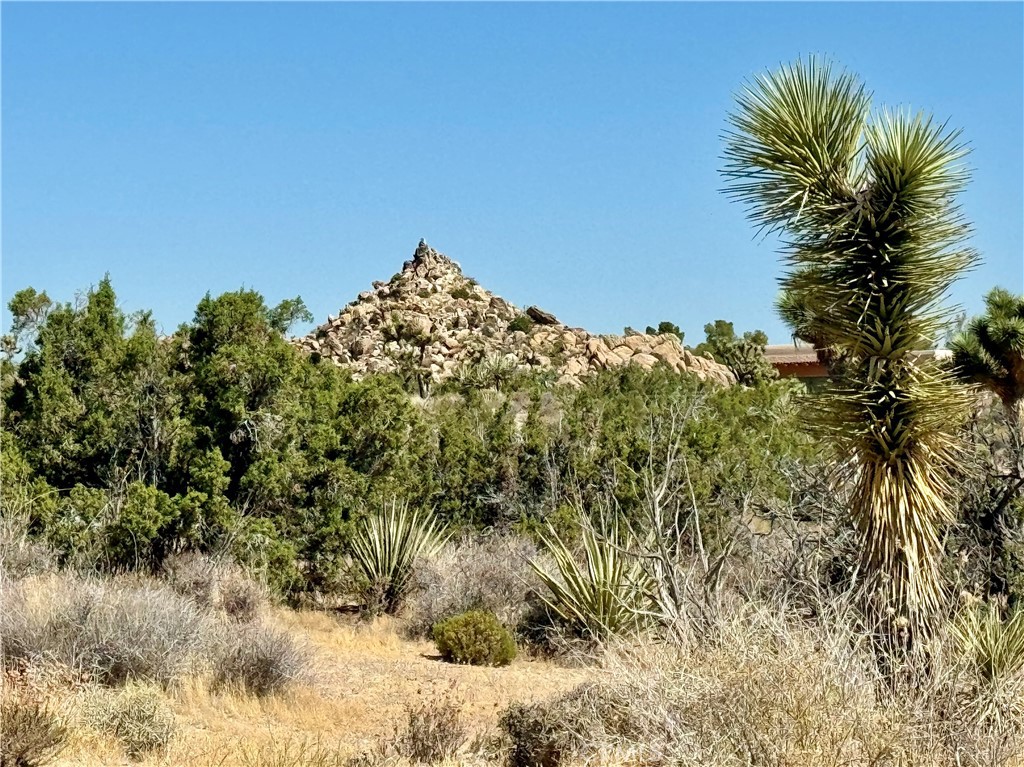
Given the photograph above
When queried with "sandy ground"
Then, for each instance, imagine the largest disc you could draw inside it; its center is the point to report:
(365, 675)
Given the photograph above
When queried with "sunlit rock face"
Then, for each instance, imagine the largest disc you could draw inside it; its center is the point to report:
(432, 320)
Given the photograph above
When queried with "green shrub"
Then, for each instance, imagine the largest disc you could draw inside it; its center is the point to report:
(665, 328)
(138, 717)
(475, 637)
(30, 734)
(464, 293)
(252, 424)
(520, 323)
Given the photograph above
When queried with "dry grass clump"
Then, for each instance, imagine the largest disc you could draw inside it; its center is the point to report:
(120, 630)
(435, 731)
(137, 716)
(216, 584)
(761, 689)
(31, 734)
(115, 630)
(261, 660)
(20, 556)
(291, 752)
(782, 694)
(490, 573)
(571, 726)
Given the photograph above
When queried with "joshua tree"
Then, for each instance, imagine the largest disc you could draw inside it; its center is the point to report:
(991, 351)
(872, 238)
(743, 355)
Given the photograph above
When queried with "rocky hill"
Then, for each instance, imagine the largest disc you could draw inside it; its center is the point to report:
(430, 319)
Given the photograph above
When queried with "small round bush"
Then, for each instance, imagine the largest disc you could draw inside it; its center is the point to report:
(216, 585)
(137, 716)
(242, 599)
(475, 637)
(522, 323)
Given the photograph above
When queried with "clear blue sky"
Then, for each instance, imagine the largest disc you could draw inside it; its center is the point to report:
(565, 154)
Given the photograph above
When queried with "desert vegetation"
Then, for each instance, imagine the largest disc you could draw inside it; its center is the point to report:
(216, 549)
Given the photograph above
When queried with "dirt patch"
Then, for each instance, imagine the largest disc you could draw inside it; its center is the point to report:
(365, 674)
(370, 674)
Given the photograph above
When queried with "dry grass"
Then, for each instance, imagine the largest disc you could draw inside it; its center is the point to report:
(367, 678)
(20, 555)
(113, 630)
(137, 716)
(433, 733)
(762, 690)
(261, 661)
(31, 735)
(751, 681)
(216, 584)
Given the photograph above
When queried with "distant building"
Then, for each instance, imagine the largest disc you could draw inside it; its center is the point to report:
(796, 360)
(800, 360)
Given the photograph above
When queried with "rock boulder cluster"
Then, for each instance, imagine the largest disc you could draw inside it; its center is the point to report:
(432, 320)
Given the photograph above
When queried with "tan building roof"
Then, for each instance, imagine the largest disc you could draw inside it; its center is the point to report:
(805, 354)
(791, 354)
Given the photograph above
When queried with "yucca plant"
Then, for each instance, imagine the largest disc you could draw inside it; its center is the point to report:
(873, 240)
(994, 649)
(385, 549)
(605, 593)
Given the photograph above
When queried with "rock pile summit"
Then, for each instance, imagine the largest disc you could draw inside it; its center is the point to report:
(432, 320)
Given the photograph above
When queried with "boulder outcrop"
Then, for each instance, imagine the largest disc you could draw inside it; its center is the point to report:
(430, 318)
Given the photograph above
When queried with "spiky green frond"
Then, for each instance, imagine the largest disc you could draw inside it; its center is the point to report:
(974, 362)
(386, 546)
(875, 275)
(1004, 305)
(604, 593)
(795, 313)
(792, 153)
(895, 418)
(994, 651)
(995, 647)
(873, 243)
